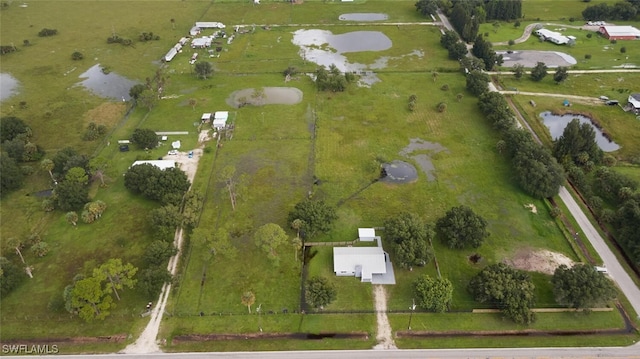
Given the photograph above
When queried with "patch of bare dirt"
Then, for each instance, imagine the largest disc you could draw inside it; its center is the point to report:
(543, 261)
(384, 336)
(532, 207)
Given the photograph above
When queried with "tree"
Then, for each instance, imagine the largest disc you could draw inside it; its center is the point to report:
(118, 275)
(297, 246)
(144, 138)
(581, 286)
(78, 175)
(459, 97)
(539, 71)
(426, 7)
(167, 186)
(449, 38)
(98, 165)
(461, 227)
(47, 165)
(72, 218)
(316, 215)
(538, 172)
(297, 224)
(560, 75)
(165, 220)
(457, 51)
(152, 279)
(409, 236)
(77, 55)
(434, 294)
(192, 208)
(147, 98)
(40, 249)
(203, 69)
(441, 107)
(89, 300)
(248, 298)
(518, 71)
(269, 237)
(477, 82)
(70, 195)
(11, 276)
(216, 243)
(319, 292)
(158, 252)
(231, 181)
(11, 127)
(577, 144)
(509, 289)
(12, 176)
(136, 90)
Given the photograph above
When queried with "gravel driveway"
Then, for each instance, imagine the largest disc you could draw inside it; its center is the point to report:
(529, 58)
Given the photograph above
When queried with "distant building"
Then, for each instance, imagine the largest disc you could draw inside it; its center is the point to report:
(220, 119)
(634, 102)
(171, 54)
(206, 117)
(370, 264)
(161, 164)
(552, 36)
(620, 32)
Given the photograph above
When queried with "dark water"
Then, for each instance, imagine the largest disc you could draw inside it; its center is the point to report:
(111, 85)
(8, 86)
(364, 16)
(557, 124)
(398, 172)
(421, 151)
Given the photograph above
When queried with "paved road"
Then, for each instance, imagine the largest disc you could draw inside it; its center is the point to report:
(616, 271)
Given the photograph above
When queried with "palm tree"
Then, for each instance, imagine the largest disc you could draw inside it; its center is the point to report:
(72, 217)
(248, 298)
(459, 97)
(48, 165)
(434, 76)
(297, 246)
(297, 224)
(16, 243)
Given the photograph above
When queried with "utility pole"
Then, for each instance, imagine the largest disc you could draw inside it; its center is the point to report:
(413, 308)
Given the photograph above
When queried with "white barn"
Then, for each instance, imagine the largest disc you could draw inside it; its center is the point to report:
(361, 262)
(161, 164)
(220, 119)
(555, 37)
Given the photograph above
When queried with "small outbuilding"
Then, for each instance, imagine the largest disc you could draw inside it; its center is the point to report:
(206, 117)
(366, 234)
(171, 54)
(620, 32)
(634, 102)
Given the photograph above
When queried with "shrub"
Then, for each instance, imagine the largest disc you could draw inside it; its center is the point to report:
(444, 87)
(77, 56)
(623, 50)
(614, 41)
(442, 107)
(47, 32)
(512, 42)
(587, 56)
(589, 35)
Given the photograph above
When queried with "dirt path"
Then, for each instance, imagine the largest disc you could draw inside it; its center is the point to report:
(584, 99)
(384, 336)
(147, 342)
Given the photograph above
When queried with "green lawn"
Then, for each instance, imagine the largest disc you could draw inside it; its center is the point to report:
(341, 138)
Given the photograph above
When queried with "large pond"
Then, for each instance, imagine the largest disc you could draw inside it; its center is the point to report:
(109, 85)
(8, 86)
(557, 124)
(325, 49)
(269, 96)
(364, 16)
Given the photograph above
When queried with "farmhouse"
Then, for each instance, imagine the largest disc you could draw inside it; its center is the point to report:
(161, 164)
(555, 37)
(220, 119)
(371, 264)
(619, 32)
(634, 102)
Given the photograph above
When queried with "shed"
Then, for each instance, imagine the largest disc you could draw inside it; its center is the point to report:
(171, 54)
(161, 164)
(206, 116)
(361, 262)
(366, 234)
(620, 32)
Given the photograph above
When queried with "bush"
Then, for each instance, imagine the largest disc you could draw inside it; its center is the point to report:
(614, 41)
(47, 32)
(77, 56)
(444, 87)
(589, 35)
(623, 50)
(512, 42)
(587, 56)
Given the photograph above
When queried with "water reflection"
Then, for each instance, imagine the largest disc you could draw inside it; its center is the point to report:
(269, 96)
(8, 86)
(109, 85)
(557, 124)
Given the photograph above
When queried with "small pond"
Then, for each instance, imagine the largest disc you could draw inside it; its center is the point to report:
(270, 96)
(557, 124)
(109, 85)
(398, 172)
(8, 86)
(364, 16)
(325, 49)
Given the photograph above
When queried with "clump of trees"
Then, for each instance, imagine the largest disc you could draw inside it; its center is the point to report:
(461, 227)
(203, 69)
(508, 289)
(477, 82)
(94, 131)
(333, 79)
(167, 186)
(319, 292)
(148, 36)
(410, 238)
(434, 294)
(621, 10)
(17, 148)
(47, 32)
(316, 216)
(539, 71)
(450, 41)
(581, 287)
(144, 138)
(269, 237)
(484, 50)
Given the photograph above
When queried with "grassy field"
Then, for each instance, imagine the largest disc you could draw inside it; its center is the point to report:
(274, 148)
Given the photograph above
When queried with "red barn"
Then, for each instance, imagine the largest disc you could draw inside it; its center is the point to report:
(620, 32)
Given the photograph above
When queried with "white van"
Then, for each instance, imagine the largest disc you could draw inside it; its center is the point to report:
(601, 269)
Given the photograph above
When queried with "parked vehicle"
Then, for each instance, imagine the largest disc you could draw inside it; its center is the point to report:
(612, 102)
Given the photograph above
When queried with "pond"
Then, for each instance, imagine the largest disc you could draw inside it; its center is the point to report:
(325, 49)
(557, 124)
(270, 96)
(398, 172)
(8, 86)
(109, 85)
(364, 16)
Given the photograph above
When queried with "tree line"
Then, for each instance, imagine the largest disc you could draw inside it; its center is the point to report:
(622, 10)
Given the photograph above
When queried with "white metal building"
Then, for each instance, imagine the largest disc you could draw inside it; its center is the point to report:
(206, 116)
(555, 37)
(220, 119)
(366, 234)
(161, 164)
(361, 262)
(171, 54)
(209, 25)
